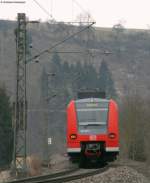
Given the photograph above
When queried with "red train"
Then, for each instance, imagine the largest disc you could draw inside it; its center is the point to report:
(92, 130)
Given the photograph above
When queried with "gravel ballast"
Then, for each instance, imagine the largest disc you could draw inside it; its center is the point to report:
(123, 174)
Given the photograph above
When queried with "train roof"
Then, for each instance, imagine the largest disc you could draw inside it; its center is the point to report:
(82, 94)
(91, 100)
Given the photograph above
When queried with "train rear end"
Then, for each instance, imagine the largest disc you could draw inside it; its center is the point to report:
(92, 130)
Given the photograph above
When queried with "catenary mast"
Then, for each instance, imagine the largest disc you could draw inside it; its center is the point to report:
(20, 117)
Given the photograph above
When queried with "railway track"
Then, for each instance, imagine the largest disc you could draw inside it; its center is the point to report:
(75, 177)
(64, 176)
(44, 177)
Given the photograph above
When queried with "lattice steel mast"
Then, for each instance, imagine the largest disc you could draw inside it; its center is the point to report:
(20, 120)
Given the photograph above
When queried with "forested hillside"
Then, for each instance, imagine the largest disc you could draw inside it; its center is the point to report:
(117, 60)
(6, 131)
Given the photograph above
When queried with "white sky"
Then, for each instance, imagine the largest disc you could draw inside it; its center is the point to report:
(106, 13)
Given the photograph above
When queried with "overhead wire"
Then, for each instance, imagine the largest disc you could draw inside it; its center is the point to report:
(43, 8)
(59, 51)
(80, 6)
(64, 40)
(61, 42)
(45, 11)
(88, 21)
(51, 5)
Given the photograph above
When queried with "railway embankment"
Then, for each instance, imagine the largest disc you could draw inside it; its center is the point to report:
(123, 171)
(123, 174)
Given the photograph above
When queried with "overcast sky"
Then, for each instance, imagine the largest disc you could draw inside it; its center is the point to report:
(106, 13)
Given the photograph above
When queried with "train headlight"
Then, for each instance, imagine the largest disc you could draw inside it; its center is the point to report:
(73, 136)
(112, 135)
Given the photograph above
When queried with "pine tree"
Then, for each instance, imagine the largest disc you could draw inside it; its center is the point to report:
(44, 83)
(66, 68)
(105, 80)
(90, 76)
(6, 131)
(86, 76)
(67, 73)
(79, 76)
(56, 68)
(59, 82)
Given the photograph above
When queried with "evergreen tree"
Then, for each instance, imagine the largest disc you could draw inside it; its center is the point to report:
(79, 76)
(68, 76)
(66, 68)
(56, 68)
(66, 71)
(44, 81)
(59, 82)
(90, 76)
(86, 77)
(105, 80)
(6, 131)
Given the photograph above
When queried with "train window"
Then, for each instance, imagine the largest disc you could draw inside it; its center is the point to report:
(92, 115)
(92, 120)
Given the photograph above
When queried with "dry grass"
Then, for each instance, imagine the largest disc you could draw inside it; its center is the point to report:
(34, 165)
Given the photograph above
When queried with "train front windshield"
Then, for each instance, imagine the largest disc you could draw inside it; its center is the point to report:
(92, 115)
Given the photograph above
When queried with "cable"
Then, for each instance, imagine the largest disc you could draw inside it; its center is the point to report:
(45, 11)
(74, 22)
(62, 27)
(59, 51)
(52, 7)
(67, 38)
(60, 42)
(79, 5)
(43, 8)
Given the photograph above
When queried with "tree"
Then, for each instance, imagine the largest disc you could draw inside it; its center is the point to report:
(78, 77)
(88, 76)
(44, 83)
(118, 27)
(68, 81)
(84, 18)
(91, 76)
(6, 131)
(105, 80)
(133, 127)
(57, 83)
(56, 68)
(118, 30)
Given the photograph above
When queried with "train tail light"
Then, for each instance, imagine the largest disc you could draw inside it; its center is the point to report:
(73, 136)
(112, 135)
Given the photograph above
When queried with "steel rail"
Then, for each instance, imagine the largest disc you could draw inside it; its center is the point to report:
(44, 177)
(64, 176)
(78, 176)
(74, 177)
